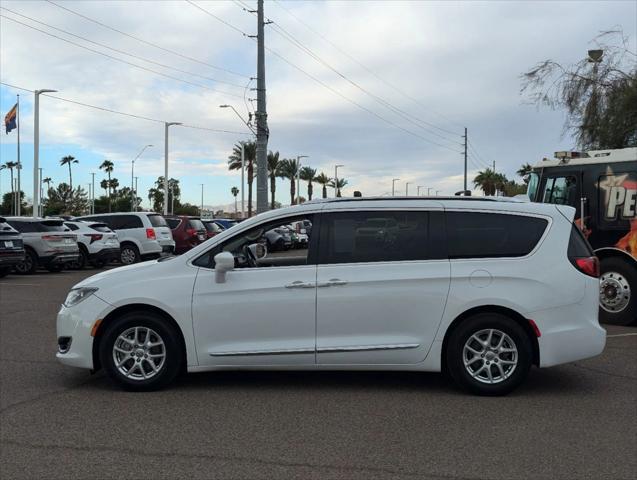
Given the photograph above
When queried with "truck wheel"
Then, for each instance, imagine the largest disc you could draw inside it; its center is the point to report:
(617, 292)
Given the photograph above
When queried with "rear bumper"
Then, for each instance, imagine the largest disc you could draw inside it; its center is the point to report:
(59, 259)
(104, 255)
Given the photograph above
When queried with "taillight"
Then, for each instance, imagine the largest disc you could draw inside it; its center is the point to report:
(52, 238)
(94, 236)
(150, 234)
(588, 266)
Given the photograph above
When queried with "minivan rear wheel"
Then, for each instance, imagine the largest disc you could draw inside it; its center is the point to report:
(617, 292)
(489, 354)
(141, 352)
(129, 254)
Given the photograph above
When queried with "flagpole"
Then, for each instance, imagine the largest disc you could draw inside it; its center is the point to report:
(18, 205)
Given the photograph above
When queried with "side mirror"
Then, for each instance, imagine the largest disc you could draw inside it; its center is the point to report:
(224, 262)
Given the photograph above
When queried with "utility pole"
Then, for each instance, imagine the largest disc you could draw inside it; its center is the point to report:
(36, 149)
(407, 188)
(393, 186)
(40, 187)
(93, 193)
(201, 209)
(466, 140)
(261, 117)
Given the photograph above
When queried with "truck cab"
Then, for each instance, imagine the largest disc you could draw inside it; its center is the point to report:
(602, 186)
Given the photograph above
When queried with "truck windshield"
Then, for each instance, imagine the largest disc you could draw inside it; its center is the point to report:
(534, 181)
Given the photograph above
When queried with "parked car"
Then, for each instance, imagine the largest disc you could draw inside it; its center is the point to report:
(212, 227)
(226, 223)
(299, 235)
(278, 239)
(11, 248)
(47, 243)
(188, 232)
(142, 235)
(480, 288)
(98, 243)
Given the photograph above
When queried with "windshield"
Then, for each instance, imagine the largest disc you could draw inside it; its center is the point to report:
(157, 221)
(534, 181)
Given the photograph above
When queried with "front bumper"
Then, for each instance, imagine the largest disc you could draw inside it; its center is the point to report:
(74, 331)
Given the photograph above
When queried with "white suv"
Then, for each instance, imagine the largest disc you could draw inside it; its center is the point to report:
(480, 288)
(98, 243)
(142, 235)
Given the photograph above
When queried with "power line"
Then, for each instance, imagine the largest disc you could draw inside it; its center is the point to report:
(117, 112)
(122, 51)
(218, 18)
(370, 71)
(477, 154)
(320, 82)
(121, 60)
(141, 40)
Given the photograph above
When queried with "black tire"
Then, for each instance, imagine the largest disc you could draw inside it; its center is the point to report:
(29, 265)
(4, 271)
(167, 371)
(455, 356)
(619, 272)
(82, 260)
(55, 268)
(129, 254)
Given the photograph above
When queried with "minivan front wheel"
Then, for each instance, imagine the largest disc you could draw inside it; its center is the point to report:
(489, 354)
(141, 352)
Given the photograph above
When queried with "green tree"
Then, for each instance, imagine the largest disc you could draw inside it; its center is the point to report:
(7, 207)
(235, 192)
(288, 168)
(324, 181)
(273, 172)
(308, 174)
(524, 172)
(11, 166)
(599, 94)
(234, 163)
(64, 200)
(107, 166)
(69, 160)
(156, 194)
(342, 183)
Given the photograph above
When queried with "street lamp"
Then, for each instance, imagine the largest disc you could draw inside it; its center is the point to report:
(166, 125)
(201, 209)
(393, 186)
(407, 188)
(247, 124)
(136, 204)
(298, 177)
(418, 190)
(132, 177)
(429, 189)
(36, 149)
(437, 192)
(336, 179)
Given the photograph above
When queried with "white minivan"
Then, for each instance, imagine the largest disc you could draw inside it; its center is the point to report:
(481, 288)
(142, 235)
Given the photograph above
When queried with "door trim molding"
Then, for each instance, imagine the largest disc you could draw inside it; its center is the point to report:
(294, 351)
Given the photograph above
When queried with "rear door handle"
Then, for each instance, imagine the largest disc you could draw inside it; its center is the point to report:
(333, 282)
(300, 284)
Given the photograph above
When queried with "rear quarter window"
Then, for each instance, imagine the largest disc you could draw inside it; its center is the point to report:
(51, 226)
(492, 235)
(157, 221)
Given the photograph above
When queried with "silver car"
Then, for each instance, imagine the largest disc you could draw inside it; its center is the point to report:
(47, 243)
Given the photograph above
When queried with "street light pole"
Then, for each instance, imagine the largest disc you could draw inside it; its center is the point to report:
(39, 186)
(132, 176)
(393, 186)
(136, 204)
(336, 179)
(298, 177)
(407, 188)
(36, 148)
(166, 125)
(418, 190)
(201, 209)
(93, 193)
(437, 192)
(429, 189)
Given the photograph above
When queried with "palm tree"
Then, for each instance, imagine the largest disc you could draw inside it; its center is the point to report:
(288, 168)
(342, 183)
(107, 166)
(234, 163)
(273, 172)
(308, 174)
(68, 160)
(323, 180)
(489, 181)
(235, 192)
(48, 181)
(524, 172)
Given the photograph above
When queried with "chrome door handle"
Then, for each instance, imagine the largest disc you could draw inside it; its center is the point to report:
(300, 284)
(332, 282)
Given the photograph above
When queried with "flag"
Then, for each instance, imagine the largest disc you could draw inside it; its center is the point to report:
(10, 119)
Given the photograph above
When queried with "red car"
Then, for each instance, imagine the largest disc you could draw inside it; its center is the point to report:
(188, 232)
(212, 228)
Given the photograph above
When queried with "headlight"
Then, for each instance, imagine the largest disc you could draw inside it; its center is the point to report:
(76, 295)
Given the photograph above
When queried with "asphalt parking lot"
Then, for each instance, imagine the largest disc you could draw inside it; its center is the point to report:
(574, 422)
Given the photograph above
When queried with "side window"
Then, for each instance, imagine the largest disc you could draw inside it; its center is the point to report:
(23, 227)
(561, 191)
(124, 222)
(378, 236)
(287, 243)
(173, 222)
(71, 226)
(487, 235)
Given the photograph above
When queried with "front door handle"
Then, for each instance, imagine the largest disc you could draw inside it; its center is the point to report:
(300, 284)
(332, 282)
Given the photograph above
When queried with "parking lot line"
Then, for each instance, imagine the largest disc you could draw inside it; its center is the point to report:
(621, 335)
(22, 284)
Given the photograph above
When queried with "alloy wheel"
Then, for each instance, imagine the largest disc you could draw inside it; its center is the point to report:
(490, 356)
(127, 256)
(139, 353)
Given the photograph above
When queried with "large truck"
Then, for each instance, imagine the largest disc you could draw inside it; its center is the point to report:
(602, 186)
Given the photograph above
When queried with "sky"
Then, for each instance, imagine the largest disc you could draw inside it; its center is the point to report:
(385, 89)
